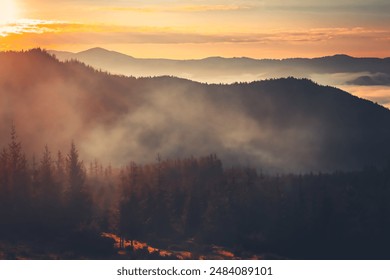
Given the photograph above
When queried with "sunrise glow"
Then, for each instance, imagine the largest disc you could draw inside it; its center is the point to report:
(198, 29)
(8, 12)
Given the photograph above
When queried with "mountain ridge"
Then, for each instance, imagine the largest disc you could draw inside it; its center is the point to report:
(228, 70)
(339, 55)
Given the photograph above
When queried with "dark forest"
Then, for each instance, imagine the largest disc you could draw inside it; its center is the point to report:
(56, 206)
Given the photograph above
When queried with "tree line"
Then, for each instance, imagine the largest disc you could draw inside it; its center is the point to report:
(57, 199)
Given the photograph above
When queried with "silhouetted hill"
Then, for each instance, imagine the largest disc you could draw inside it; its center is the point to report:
(377, 79)
(227, 70)
(277, 125)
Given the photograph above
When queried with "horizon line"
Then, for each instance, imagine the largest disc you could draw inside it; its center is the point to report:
(200, 58)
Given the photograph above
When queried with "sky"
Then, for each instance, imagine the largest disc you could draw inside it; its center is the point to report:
(183, 29)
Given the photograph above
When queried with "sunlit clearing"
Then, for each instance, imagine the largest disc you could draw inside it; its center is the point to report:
(8, 11)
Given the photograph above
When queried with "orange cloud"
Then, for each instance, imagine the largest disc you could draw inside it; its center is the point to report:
(178, 9)
(145, 34)
(64, 35)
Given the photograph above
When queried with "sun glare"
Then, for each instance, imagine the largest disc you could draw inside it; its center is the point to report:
(8, 11)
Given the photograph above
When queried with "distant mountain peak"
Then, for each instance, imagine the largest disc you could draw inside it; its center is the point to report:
(96, 49)
(342, 55)
(102, 51)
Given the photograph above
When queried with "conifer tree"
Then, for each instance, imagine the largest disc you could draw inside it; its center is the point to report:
(79, 206)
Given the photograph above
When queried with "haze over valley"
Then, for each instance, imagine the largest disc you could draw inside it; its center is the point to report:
(280, 125)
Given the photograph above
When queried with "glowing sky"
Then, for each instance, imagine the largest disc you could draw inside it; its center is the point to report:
(200, 28)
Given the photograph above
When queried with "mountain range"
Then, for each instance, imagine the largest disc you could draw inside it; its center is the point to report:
(277, 125)
(338, 69)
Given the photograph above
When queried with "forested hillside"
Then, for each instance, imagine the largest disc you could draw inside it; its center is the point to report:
(56, 206)
(282, 125)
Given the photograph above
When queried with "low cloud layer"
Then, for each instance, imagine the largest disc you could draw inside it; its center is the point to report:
(377, 94)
